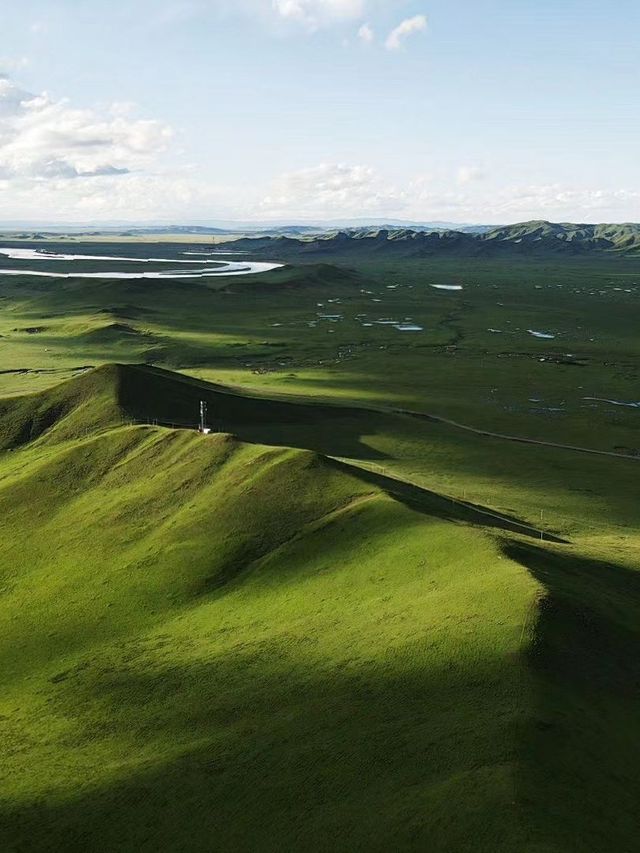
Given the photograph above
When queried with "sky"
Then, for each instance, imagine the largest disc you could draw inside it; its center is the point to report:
(419, 110)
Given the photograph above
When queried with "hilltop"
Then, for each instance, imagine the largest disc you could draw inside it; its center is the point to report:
(116, 394)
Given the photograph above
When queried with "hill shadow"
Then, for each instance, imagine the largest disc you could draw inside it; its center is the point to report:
(255, 750)
(153, 394)
(435, 504)
(580, 778)
(116, 393)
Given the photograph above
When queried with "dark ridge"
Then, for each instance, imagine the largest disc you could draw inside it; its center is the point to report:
(434, 504)
(523, 239)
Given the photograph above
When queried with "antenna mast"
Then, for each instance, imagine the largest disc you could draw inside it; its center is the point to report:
(203, 416)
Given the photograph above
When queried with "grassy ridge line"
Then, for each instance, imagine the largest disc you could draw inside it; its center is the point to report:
(238, 391)
(87, 405)
(117, 394)
(471, 510)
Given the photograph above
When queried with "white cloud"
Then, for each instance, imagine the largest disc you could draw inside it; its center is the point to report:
(329, 190)
(478, 203)
(161, 195)
(46, 139)
(469, 174)
(365, 33)
(59, 161)
(10, 64)
(314, 14)
(334, 191)
(556, 199)
(406, 28)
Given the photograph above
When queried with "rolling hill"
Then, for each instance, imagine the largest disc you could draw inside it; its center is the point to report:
(240, 637)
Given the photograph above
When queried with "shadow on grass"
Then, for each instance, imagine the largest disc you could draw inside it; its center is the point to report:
(150, 393)
(256, 751)
(580, 777)
(434, 504)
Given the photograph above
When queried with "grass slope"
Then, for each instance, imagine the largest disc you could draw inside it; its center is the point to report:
(229, 642)
(194, 656)
(65, 411)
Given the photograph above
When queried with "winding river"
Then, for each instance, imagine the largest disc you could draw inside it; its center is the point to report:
(221, 268)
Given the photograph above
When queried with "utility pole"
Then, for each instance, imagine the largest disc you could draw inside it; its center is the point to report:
(203, 416)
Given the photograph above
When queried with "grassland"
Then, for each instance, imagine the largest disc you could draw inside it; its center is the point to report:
(331, 625)
(256, 332)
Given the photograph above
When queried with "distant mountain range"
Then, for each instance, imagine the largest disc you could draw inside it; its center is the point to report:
(402, 239)
(230, 226)
(525, 238)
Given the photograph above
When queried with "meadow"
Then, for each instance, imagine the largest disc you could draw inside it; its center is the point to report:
(339, 622)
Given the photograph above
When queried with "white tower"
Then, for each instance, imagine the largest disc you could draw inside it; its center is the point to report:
(203, 418)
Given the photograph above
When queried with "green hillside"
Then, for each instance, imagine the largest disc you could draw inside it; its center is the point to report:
(539, 238)
(603, 237)
(66, 411)
(230, 638)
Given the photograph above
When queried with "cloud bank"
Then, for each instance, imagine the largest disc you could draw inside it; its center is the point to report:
(60, 162)
(41, 138)
(330, 189)
(338, 190)
(57, 161)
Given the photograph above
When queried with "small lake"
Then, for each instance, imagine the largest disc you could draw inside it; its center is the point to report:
(546, 335)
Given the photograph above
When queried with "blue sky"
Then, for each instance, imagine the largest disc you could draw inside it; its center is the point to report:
(493, 111)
